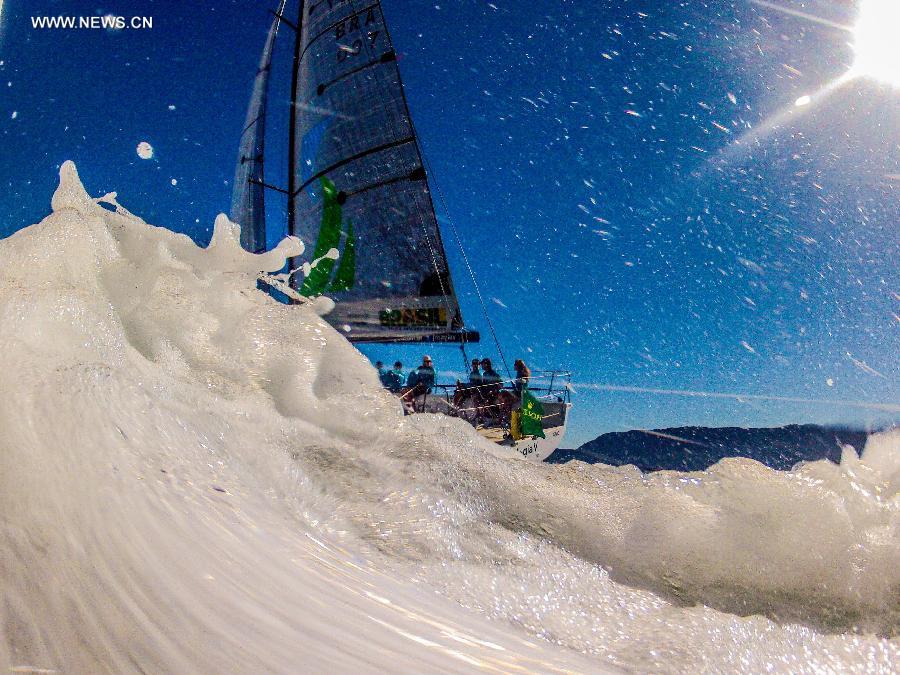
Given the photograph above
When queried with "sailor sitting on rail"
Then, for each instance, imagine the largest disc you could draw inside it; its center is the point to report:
(382, 373)
(475, 373)
(393, 379)
(421, 380)
(488, 374)
(491, 383)
(470, 388)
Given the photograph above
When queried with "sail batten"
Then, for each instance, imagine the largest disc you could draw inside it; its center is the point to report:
(347, 160)
(358, 183)
(384, 58)
(248, 196)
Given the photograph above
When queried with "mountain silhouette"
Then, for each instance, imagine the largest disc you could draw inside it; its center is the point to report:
(697, 448)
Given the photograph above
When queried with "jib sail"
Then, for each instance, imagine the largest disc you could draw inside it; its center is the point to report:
(358, 183)
(247, 200)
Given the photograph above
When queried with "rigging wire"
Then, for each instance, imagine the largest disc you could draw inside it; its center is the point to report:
(419, 151)
(436, 186)
(427, 165)
(468, 266)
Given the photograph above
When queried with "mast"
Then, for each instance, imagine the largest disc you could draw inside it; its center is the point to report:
(292, 134)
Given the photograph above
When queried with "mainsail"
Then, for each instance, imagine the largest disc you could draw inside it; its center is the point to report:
(247, 200)
(358, 194)
(358, 183)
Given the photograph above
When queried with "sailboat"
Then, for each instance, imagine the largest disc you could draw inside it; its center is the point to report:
(358, 188)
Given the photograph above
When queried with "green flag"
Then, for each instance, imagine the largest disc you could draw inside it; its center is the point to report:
(532, 415)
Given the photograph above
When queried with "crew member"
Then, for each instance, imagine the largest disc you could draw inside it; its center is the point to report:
(523, 375)
(475, 373)
(421, 380)
(382, 373)
(488, 374)
(393, 379)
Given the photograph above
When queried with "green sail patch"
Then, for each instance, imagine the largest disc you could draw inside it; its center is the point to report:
(346, 274)
(330, 237)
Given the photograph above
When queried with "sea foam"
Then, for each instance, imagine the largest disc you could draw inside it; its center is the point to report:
(196, 477)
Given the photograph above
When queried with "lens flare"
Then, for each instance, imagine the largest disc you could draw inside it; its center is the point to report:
(877, 43)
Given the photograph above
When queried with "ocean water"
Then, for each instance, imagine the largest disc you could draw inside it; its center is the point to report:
(195, 478)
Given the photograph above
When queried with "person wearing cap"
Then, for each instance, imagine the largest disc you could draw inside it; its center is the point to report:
(421, 380)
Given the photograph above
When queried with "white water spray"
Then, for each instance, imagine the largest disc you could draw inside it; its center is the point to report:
(194, 477)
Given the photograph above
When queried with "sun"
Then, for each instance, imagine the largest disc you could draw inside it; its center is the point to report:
(877, 41)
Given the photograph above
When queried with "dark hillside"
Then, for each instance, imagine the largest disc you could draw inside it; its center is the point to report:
(696, 448)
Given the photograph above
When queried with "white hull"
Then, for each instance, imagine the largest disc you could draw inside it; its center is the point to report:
(534, 449)
(539, 449)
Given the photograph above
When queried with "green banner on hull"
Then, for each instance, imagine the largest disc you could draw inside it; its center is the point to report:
(532, 418)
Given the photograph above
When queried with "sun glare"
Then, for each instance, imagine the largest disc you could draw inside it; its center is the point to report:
(877, 43)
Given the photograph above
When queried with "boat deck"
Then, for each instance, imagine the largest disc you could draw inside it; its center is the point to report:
(494, 434)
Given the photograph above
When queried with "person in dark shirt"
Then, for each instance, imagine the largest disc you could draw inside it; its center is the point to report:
(488, 374)
(488, 392)
(393, 379)
(421, 380)
(475, 373)
(469, 388)
(382, 373)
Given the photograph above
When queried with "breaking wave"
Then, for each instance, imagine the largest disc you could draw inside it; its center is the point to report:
(193, 476)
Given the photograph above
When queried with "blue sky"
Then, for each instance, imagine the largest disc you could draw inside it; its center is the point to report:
(588, 155)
